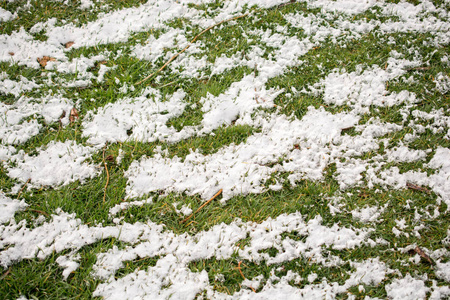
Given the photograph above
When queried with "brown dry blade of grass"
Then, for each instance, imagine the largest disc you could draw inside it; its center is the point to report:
(204, 204)
(189, 45)
(417, 188)
(107, 173)
(21, 190)
(242, 274)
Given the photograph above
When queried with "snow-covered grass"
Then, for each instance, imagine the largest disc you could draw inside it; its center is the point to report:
(324, 123)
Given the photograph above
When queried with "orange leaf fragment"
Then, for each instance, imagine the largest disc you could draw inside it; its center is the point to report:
(69, 44)
(423, 255)
(417, 187)
(44, 60)
(73, 115)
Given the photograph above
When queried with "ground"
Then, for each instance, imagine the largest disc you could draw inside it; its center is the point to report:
(201, 149)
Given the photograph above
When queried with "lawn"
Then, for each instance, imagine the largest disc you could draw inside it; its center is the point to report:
(235, 149)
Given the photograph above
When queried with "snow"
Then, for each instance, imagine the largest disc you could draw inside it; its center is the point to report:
(145, 118)
(8, 207)
(6, 15)
(14, 129)
(59, 164)
(407, 288)
(344, 133)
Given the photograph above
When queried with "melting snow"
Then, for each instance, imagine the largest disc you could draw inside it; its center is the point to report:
(301, 148)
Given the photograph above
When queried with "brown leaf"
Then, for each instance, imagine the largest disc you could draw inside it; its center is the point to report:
(69, 44)
(44, 60)
(61, 117)
(296, 146)
(103, 62)
(110, 158)
(417, 187)
(73, 115)
(423, 255)
(11, 53)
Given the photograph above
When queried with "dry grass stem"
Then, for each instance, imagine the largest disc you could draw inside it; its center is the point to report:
(204, 204)
(189, 45)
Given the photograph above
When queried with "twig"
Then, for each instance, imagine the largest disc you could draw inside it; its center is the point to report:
(107, 173)
(21, 190)
(185, 48)
(39, 211)
(347, 128)
(418, 69)
(242, 274)
(5, 274)
(285, 4)
(417, 187)
(204, 204)
(167, 84)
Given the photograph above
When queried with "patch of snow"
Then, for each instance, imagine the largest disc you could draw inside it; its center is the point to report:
(407, 288)
(8, 207)
(56, 164)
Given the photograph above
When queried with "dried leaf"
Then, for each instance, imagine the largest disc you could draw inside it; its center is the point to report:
(44, 60)
(69, 44)
(11, 53)
(61, 117)
(423, 255)
(103, 62)
(417, 187)
(110, 158)
(296, 146)
(73, 115)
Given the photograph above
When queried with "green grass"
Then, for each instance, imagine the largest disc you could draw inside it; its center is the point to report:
(42, 279)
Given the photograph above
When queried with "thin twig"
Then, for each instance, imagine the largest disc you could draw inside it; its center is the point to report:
(242, 274)
(39, 211)
(5, 274)
(204, 204)
(417, 187)
(107, 173)
(21, 190)
(285, 4)
(185, 48)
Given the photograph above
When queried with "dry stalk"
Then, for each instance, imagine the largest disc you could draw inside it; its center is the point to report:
(204, 204)
(21, 190)
(242, 274)
(189, 45)
(107, 173)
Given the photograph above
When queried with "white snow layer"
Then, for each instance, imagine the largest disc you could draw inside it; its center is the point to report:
(15, 130)
(303, 147)
(8, 207)
(57, 164)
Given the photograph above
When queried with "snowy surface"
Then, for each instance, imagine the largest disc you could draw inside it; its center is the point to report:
(283, 150)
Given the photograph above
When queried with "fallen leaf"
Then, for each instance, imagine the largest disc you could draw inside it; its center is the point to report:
(73, 115)
(44, 60)
(61, 117)
(423, 255)
(103, 62)
(11, 53)
(110, 158)
(69, 44)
